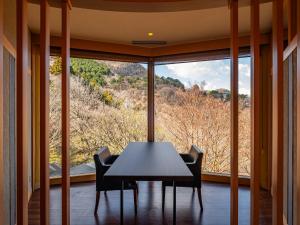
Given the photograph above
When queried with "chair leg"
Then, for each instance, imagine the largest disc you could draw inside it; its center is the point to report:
(97, 202)
(200, 198)
(135, 193)
(163, 188)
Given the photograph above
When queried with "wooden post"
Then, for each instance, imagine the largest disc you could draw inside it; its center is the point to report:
(22, 156)
(151, 78)
(234, 111)
(1, 116)
(277, 165)
(65, 50)
(44, 111)
(255, 113)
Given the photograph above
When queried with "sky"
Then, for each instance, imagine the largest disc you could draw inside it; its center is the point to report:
(215, 73)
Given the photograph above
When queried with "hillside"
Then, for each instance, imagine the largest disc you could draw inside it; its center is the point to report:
(123, 75)
(125, 69)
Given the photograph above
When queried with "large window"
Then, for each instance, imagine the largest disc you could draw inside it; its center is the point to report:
(108, 107)
(192, 106)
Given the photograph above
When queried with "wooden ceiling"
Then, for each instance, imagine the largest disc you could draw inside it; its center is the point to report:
(174, 27)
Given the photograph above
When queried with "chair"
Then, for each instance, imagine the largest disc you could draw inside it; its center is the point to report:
(193, 161)
(103, 160)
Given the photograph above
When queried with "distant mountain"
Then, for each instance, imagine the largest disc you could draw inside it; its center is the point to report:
(125, 68)
(111, 74)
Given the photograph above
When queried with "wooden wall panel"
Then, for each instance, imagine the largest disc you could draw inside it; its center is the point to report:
(298, 119)
(1, 117)
(35, 69)
(255, 113)
(234, 111)
(22, 155)
(151, 105)
(65, 53)
(292, 19)
(266, 117)
(277, 178)
(44, 111)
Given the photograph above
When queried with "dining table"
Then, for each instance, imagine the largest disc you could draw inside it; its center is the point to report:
(149, 161)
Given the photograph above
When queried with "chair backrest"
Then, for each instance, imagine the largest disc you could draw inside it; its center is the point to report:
(197, 154)
(100, 159)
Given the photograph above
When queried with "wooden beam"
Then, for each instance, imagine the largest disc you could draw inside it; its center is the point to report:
(226, 179)
(210, 177)
(290, 48)
(102, 46)
(234, 111)
(255, 113)
(298, 120)
(151, 80)
(1, 116)
(201, 46)
(9, 46)
(65, 50)
(292, 19)
(44, 112)
(277, 165)
(143, 5)
(22, 156)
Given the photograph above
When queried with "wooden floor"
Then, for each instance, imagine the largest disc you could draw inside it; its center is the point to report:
(216, 199)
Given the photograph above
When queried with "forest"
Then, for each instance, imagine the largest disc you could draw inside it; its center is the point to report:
(108, 107)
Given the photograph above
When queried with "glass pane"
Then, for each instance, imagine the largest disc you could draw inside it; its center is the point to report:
(244, 116)
(192, 106)
(108, 107)
(55, 117)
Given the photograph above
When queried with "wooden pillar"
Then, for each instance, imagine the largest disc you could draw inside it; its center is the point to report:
(234, 111)
(22, 156)
(298, 118)
(44, 111)
(277, 165)
(255, 113)
(65, 50)
(292, 19)
(151, 78)
(1, 116)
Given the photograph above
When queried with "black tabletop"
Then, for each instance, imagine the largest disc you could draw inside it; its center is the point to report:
(149, 161)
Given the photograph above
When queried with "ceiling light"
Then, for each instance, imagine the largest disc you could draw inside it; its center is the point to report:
(150, 34)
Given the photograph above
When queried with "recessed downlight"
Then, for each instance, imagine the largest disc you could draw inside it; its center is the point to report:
(150, 34)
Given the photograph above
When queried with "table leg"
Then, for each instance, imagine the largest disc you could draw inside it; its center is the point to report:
(121, 203)
(174, 202)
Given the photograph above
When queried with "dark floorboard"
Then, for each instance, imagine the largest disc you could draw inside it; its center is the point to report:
(216, 200)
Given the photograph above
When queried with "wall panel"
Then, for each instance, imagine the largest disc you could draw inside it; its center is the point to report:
(1, 116)
(298, 120)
